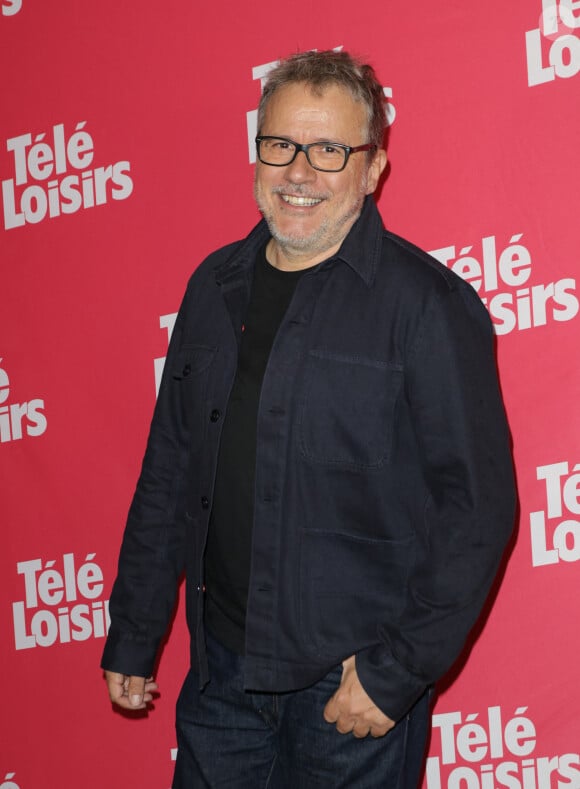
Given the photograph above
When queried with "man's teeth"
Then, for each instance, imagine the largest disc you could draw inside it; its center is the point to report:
(300, 200)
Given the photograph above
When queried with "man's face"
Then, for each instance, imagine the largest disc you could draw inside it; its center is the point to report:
(307, 231)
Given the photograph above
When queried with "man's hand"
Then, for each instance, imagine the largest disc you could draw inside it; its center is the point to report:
(352, 709)
(130, 693)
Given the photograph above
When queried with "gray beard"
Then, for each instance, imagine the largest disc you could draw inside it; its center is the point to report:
(317, 242)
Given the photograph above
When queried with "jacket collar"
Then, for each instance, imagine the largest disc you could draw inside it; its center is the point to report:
(360, 250)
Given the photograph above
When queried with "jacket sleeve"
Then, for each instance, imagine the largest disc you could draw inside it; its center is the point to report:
(452, 392)
(152, 551)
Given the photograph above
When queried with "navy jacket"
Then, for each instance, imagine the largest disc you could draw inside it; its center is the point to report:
(384, 488)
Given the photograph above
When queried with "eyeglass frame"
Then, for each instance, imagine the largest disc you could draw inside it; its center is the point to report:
(348, 149)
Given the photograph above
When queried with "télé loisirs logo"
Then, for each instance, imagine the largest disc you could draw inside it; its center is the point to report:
(53, 175)
(62, 602)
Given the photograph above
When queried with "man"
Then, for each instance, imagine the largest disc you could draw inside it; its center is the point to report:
(328, 460)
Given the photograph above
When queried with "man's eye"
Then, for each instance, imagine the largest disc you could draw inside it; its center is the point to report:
(330, 149)
(281, 145)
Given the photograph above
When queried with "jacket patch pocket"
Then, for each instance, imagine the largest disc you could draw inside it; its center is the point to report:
(349, 587)
(189, 374)
(191, 360)
(348, 410)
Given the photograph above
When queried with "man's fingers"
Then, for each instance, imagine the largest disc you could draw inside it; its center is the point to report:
(361, 722)
(345, 726)
(352, 710)
(361, 730)
(331, 711)
(136, 691)
(130, 692)
(115, 685)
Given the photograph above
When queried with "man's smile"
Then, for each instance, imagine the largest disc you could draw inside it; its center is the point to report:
(300, 201)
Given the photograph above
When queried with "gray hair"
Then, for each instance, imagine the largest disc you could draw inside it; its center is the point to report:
(320, 70)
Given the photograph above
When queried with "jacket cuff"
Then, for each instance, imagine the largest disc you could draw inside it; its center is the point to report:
(127, 655)
(390, 686)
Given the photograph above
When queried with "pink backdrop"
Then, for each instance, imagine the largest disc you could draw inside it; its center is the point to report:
(111, 197)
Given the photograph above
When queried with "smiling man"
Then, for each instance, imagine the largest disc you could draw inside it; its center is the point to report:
(328, 461)
(310, 210)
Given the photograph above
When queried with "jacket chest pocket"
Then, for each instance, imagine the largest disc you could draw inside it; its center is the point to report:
(347, 411)
(189, 373)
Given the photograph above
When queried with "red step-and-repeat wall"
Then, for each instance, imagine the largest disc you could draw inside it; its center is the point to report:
(125, 158)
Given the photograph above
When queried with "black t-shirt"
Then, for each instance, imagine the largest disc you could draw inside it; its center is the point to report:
(228, 552)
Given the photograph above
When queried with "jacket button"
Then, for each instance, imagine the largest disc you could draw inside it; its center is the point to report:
(204, 502)
(186, 370)
(215, 415)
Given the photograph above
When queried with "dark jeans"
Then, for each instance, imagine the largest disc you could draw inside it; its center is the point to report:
(228, 737)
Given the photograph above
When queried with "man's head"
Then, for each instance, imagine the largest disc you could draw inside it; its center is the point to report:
(320, 70)
(311, 201)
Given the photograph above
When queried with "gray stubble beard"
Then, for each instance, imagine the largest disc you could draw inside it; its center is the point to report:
(292, 245)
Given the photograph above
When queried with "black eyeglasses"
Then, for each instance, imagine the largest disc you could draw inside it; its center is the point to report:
(330, 157)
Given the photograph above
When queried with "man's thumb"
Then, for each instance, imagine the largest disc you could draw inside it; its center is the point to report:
(136, 690)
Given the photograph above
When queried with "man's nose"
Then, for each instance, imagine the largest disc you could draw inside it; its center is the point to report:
(300, 170)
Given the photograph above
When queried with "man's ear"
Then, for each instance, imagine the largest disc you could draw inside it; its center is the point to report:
(376, 168)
